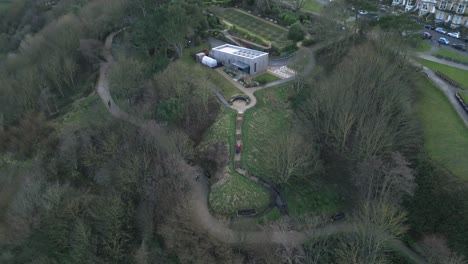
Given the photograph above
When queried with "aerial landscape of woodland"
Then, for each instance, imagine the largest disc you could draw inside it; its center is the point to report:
(233, 131)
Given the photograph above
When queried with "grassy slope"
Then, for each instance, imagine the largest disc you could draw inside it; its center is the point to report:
(237, 192)
(81, 113)
(262, 123)
(423, 46)
(313, 6)
(222, 130)
(302, 198)
(458, 75)
(451, 54)
(224, 86)
(446, 138)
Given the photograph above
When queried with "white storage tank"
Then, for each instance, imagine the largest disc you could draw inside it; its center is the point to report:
(210, 62)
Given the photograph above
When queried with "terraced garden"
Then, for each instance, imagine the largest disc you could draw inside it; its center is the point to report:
(268, 32)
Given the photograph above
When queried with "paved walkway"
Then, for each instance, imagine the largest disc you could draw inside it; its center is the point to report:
(442, 61)
(199, 189)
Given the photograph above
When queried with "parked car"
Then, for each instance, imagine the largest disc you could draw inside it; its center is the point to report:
(431, 27)
(441, 30)
(454, 35)
(363, 12)
(465, 39)
(444, 41)
(337, 217)
(459, 46)
(427, 35)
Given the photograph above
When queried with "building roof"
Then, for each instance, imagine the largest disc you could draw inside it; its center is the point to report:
(239, 51)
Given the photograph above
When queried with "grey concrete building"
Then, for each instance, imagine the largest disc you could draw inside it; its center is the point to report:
(247, 60)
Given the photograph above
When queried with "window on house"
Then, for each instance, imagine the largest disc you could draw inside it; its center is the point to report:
(410, 2)
(255, 67)
(460, 9)
(443, 5)
(457, 20)
(425, 6)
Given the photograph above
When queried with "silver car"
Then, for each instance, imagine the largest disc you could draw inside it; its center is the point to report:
(441, 30)
(454, 35)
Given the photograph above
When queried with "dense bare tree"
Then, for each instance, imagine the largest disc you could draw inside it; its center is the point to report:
(386, 181)
(375, 225)
(126, 77)
(437, 251)
(290, 157)
(364, 107)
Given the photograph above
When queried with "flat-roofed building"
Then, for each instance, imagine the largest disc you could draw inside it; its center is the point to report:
(247, 60)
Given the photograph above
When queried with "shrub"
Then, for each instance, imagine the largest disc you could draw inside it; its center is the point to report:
(288, 17)
(296, 32)
(309, 42)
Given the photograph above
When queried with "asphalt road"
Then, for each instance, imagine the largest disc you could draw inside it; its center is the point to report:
(437, 35)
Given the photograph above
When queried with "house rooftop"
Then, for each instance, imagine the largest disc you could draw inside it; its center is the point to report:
(239, 51)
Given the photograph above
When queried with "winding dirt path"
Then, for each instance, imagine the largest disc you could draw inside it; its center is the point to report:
(199, 189)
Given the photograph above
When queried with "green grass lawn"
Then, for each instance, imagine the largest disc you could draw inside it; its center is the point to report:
(271, 216)
(451, 54)
(256, 26)
(302, 199)
(313, 6)
(464, 96)
(266, 78)
(237, 192)
(423, 46)
(263, 122)
(458, 75)
(445, 135)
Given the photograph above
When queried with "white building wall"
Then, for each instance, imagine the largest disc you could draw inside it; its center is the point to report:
(257, 64)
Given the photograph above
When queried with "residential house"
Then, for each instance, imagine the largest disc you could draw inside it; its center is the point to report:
(453, 12)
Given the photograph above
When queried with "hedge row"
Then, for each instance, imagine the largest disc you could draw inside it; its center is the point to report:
(447, 79)
(451, 59)
(462, 101)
